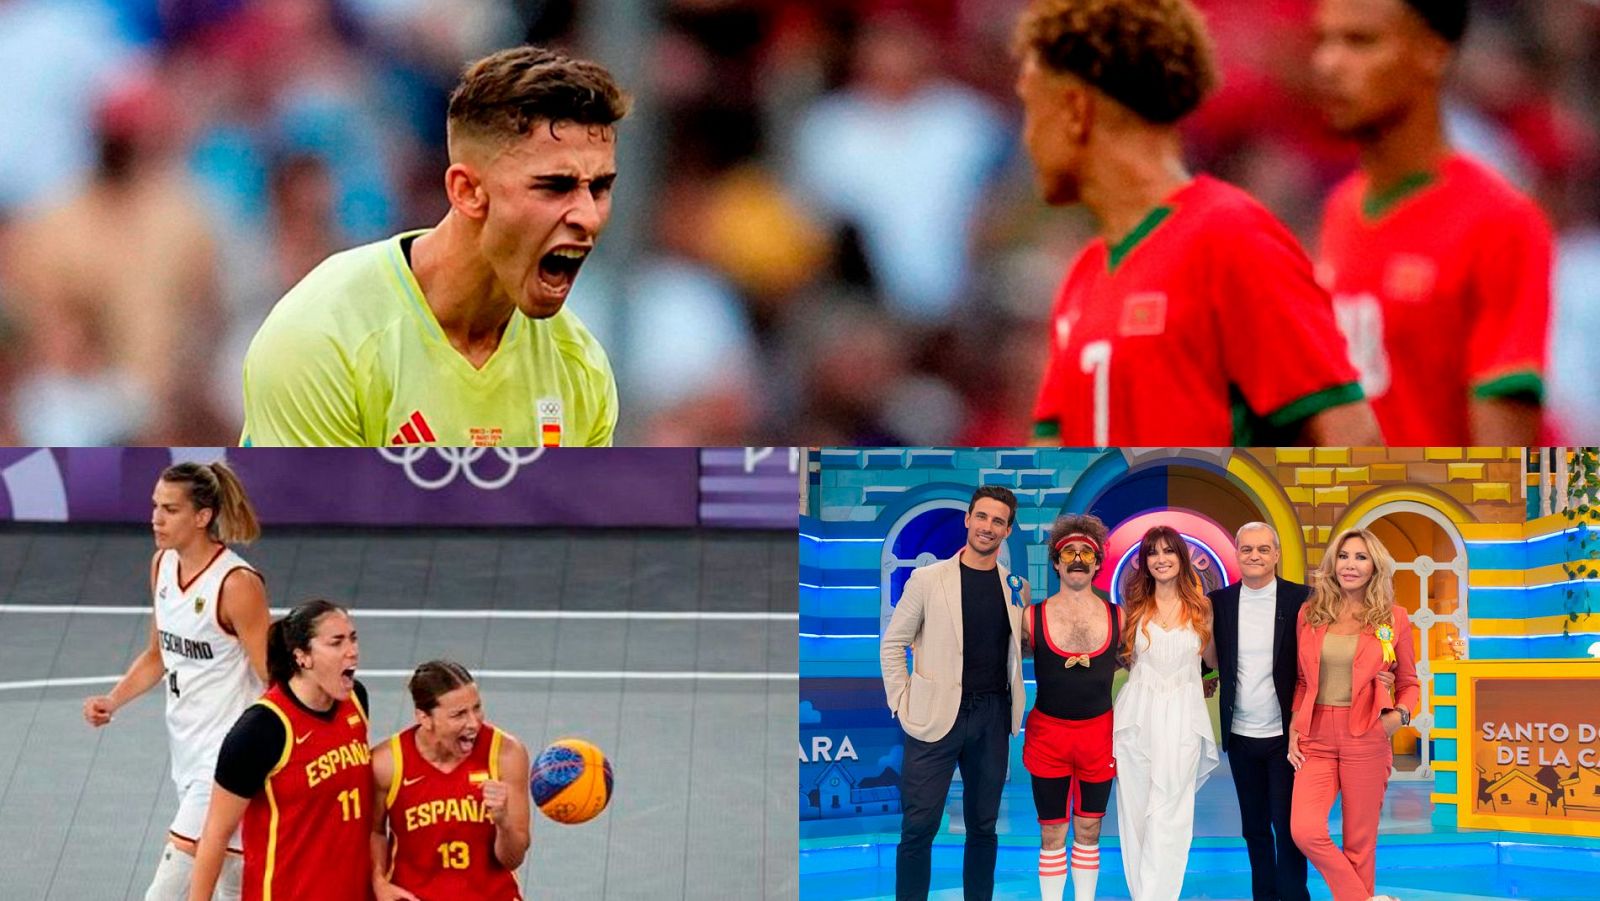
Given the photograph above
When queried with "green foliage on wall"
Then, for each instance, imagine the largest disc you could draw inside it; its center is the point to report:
(1583, 544)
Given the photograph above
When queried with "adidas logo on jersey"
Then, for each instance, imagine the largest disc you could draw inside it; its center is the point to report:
(414, 431)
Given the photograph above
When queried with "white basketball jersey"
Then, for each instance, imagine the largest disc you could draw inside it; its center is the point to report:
(209, 680)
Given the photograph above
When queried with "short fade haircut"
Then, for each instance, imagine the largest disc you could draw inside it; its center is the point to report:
(1087, 523)
(504, 94)
(996, 492)
(1446, 18)
(1151, 56)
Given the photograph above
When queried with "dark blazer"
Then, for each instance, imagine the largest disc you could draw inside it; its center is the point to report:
(1225, 624)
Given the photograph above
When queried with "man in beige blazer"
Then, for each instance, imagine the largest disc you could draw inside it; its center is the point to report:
(963, 700)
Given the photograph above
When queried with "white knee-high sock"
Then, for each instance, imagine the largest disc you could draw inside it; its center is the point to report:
(1085, 870)
(1052, 874)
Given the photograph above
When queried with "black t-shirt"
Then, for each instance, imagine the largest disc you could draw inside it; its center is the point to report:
(985, 632)
(255, 743)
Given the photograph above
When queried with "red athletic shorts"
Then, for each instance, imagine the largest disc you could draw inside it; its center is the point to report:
(1054, 747)
(1071, 765)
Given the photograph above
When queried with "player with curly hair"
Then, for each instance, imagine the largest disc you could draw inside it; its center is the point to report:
(1075, 637)
(1193, 318)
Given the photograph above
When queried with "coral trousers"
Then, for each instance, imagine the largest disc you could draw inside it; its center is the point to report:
(1356, 768)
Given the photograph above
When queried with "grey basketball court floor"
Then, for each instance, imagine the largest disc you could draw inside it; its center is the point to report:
(673, 651)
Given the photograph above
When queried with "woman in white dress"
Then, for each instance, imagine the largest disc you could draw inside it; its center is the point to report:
(1162, 731)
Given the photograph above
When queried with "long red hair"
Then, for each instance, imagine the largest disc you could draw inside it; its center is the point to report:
(1139, 598)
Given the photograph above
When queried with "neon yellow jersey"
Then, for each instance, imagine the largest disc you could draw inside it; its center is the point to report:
(353, 356)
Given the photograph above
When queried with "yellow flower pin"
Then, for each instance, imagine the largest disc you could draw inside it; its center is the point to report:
(1386, 638)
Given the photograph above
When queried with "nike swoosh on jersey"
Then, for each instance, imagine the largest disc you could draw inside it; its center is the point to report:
(404, 783)
(302, 739)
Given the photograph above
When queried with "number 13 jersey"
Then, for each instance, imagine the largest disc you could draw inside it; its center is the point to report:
(1202, 327)
(441, 838)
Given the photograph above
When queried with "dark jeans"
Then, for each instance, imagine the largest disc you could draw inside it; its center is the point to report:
(1265, 782)
(979, 743)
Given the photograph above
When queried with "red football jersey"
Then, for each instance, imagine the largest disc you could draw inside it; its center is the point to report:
(1203, 327)
(306, 834)
(441, 840)
(1443, 292)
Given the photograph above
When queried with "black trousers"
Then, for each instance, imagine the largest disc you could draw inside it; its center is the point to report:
(978, 743)
(1265, 782)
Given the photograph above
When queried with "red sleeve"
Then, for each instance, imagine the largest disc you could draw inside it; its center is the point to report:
(1511, 304)
(1280, 345)
(1299, 672)
(1047, 407)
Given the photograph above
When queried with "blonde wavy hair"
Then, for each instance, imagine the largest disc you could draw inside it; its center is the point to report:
(1377, 609)
(1139, 596)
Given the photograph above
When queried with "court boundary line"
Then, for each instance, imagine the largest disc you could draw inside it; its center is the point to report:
(402, 613)
(623, 675)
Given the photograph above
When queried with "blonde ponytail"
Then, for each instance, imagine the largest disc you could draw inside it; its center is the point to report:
(215, 487)
(236, 521)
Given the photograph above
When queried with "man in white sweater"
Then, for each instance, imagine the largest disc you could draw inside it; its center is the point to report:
(1256, 659)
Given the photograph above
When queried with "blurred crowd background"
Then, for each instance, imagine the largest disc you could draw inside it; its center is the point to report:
(825, 230)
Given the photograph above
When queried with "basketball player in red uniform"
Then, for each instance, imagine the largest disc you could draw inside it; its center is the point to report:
(208, 644)
(452, 790)
(296, 769)
(1194, 317)
(1440, 270)
(1066, 748)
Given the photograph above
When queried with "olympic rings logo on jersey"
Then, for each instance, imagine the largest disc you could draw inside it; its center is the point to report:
(461, 462)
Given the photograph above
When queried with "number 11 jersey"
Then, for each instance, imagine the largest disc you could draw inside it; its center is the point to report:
(1202, 327)
(307, 832)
